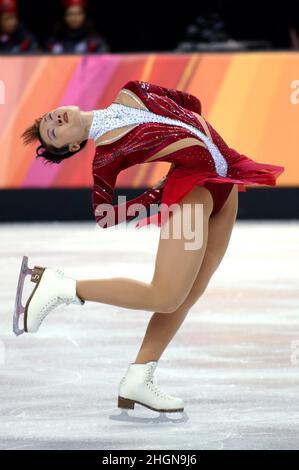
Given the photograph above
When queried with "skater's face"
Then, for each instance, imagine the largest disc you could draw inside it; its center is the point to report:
(62, 126)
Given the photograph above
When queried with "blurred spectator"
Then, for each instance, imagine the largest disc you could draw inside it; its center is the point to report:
(75, 33)
(293, 25)
(294, 37)
(209, 32)
(206, 29)
(14, 37)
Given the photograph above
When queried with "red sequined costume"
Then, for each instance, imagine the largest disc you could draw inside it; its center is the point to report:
(193, 165)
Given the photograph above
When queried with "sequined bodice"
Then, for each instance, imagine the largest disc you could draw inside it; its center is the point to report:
(119, 115)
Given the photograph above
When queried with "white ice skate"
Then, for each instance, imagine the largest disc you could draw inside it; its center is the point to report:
(140, 386)
(52, 288)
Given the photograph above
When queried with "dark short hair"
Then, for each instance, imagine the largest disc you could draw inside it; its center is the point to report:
(49, 153)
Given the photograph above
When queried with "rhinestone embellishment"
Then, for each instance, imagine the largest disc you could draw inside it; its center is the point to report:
(119, 115)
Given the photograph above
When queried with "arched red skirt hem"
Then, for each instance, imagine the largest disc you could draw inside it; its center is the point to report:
(245, 172)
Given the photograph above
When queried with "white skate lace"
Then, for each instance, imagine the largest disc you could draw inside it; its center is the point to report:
(59, 272)
(152, 384)
(54, 301)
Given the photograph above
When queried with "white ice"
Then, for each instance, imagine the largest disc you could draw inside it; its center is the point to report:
(234, 361)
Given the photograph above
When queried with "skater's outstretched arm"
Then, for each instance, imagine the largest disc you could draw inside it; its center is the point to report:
(104, 184)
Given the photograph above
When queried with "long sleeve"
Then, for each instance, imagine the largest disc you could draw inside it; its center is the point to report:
(182, 98)
(104, 184)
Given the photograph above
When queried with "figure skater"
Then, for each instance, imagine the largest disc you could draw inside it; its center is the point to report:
(146, 123)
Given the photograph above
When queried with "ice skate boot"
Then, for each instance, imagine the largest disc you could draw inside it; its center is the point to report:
(140, 386)
(52, 289)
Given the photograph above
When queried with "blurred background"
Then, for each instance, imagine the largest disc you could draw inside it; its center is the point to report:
(201, 25)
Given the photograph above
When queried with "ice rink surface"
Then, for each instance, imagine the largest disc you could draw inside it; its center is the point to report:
(234, 361)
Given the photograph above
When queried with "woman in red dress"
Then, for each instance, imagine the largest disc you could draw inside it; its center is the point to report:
(205, 173)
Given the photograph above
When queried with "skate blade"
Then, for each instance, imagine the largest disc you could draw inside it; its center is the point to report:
(36, 274)
(128, 404)
(19, 309)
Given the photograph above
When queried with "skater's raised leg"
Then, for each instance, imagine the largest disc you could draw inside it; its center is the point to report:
(176, 254)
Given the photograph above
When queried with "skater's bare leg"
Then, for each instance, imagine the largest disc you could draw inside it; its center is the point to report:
(175, 270)
(162, 328)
